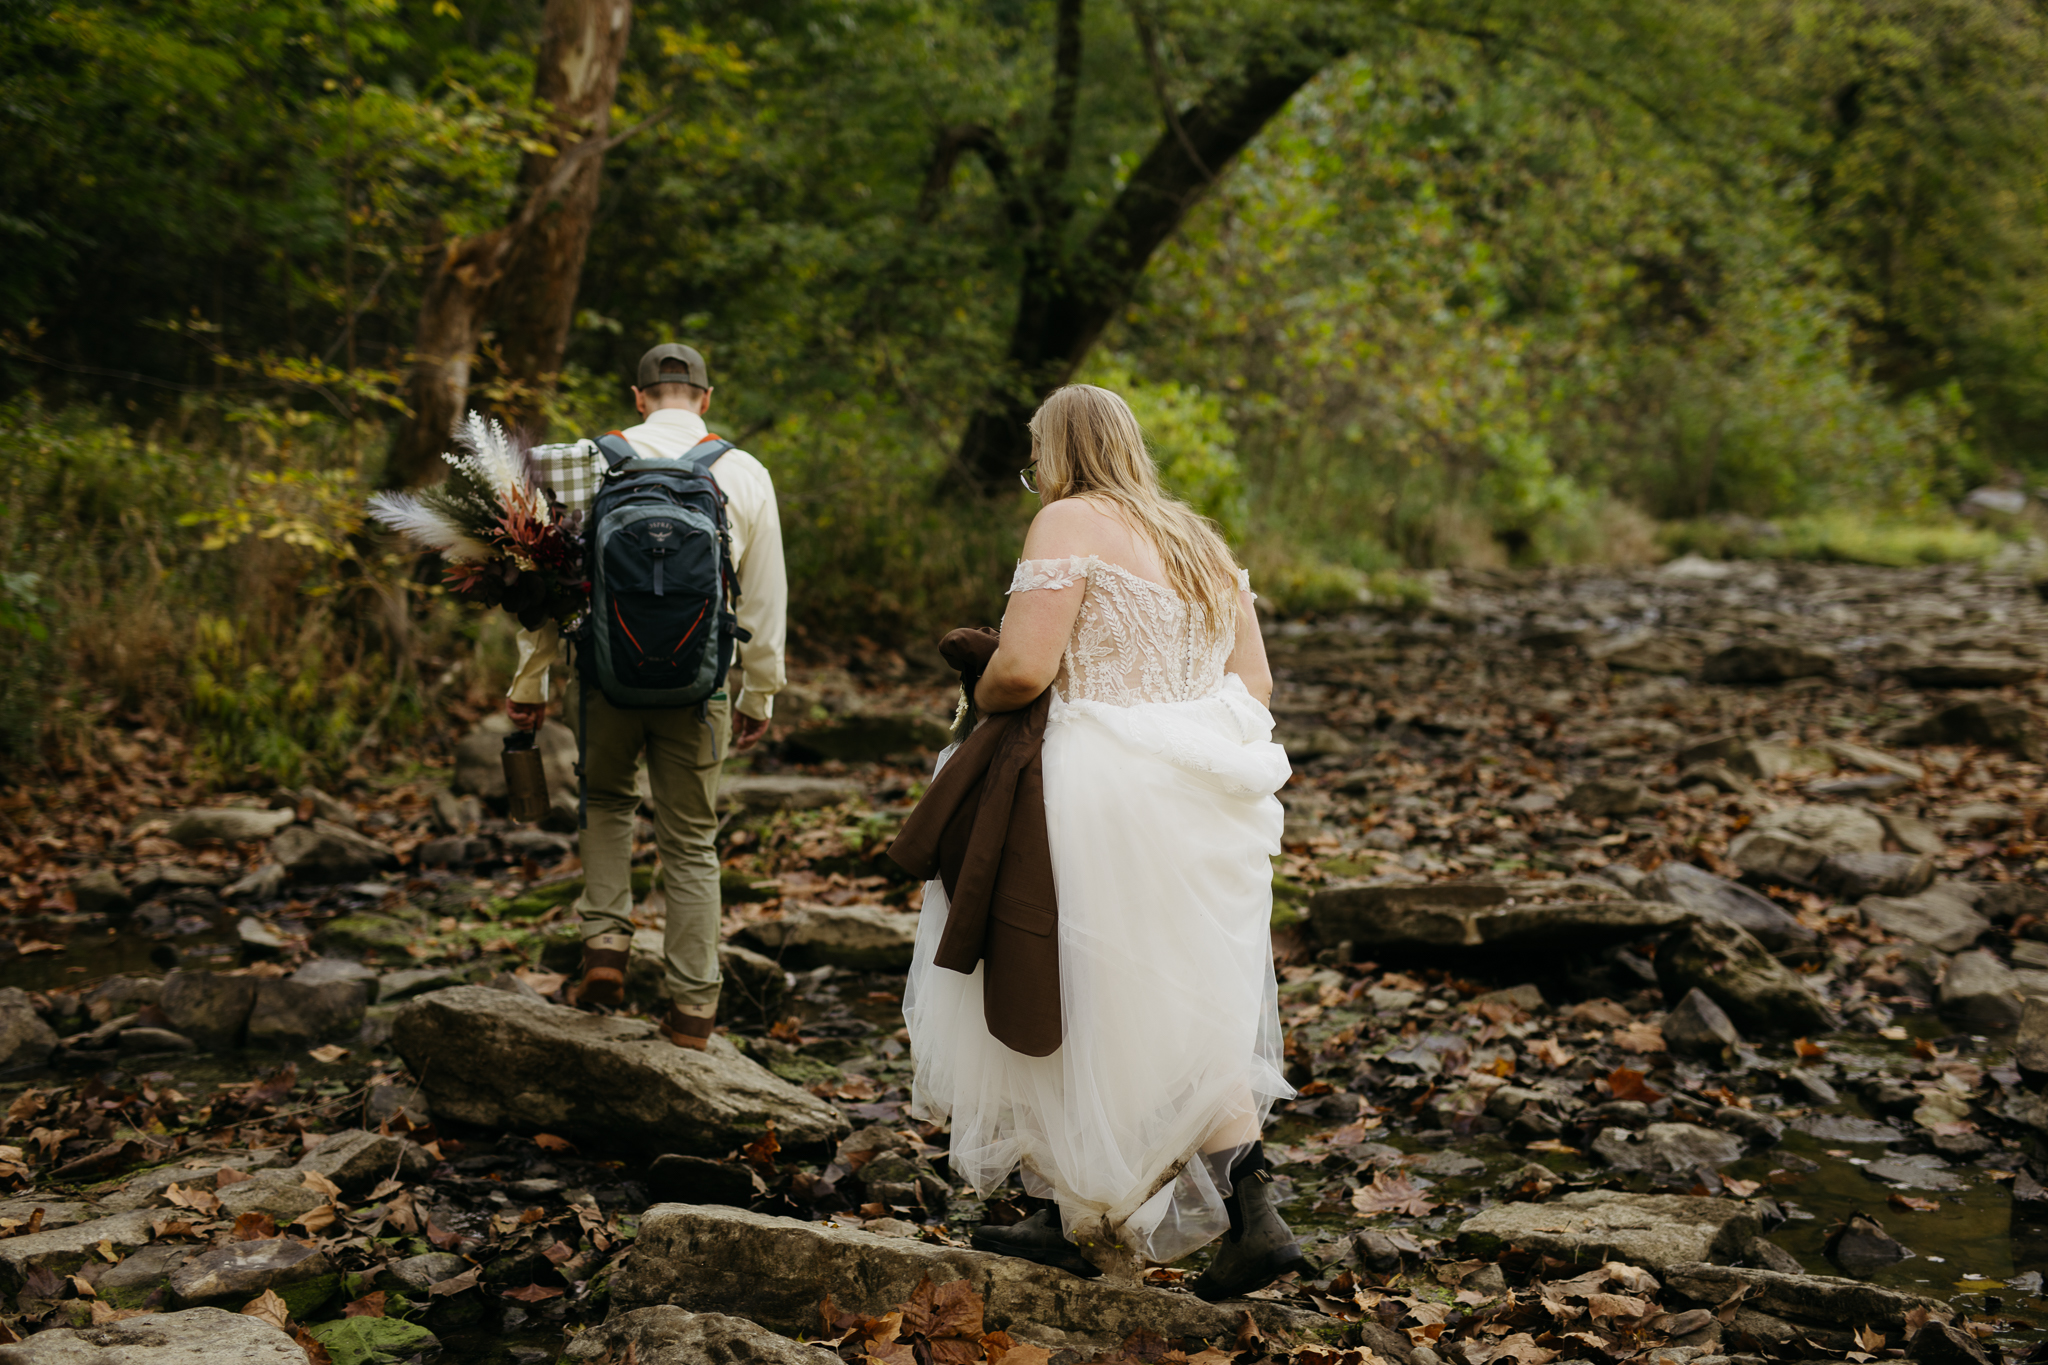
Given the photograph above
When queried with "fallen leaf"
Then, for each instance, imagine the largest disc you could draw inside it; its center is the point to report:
(455, 1284)
(314, 1220)
(442, 1239)
(1638, 1037)
(1548, 1052)
(228, 1175)
(269, 1307)
(548, 1142)
(320, 1184)
(1616, 1306)
(534, 1293)
(316, 1354)
(761, 1151)
(542, 982)
(386, 1188)
(1909, 1204)
(1808, 1050)
(370, 1305)
(330, 1053)
(192, 1197)
(254, 1225)
(83, 1286)
(1741, 1189)
(1392, 1194)
(1552, 1145)
(1869, 1338)
(1627, 1083)
(104, 1312)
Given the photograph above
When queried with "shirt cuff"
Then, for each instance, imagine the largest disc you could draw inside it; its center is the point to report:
(757, 705)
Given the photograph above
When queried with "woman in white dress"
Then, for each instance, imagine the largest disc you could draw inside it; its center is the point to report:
(1144, 1127)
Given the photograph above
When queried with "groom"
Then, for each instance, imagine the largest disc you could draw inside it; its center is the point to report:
(684, 746)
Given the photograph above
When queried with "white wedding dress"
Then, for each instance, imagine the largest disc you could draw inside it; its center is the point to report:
(1160, 773)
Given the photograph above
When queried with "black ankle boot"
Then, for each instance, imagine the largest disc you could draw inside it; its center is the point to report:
(1038, 1238)
(1259, 1248)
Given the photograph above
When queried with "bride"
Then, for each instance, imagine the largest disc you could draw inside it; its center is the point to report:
(1143, 1128)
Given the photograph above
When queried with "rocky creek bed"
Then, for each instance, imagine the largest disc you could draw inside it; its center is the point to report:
(1663, 960)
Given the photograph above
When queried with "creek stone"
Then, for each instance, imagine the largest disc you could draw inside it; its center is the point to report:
(1873, 760)
(1589, 1227)
(283, 1195)
(1853, 876)
(1824, 1299)
(785, 791)
(667, 1335)
(755, 990)
(228, 824)
(1987, 721)
(326, 852)
(775, 1270)
(872, 738)
(1766, 661)
(357, 1159)
(1773, 856)
(1980, 991)
(1667, 1148)
(65, 1249)
(489, 1058)
(411, 981)
(1716, 898)
(100, 892)
(1845, 1128)
(1697, 1027)
(143, 1275)
(242, 1270)
(151, 880)
(304, 1008)
(866, 938)
(1944, 1343)
(143, 1041)
(1981, 819)
(2030, 1044)
(1753, 1127)
(1914, 1172)
(1936, 918)
(1831, 829)
(1970, 669)
(415, 1275)
(1611, 798)
(1861, 1246)
(26, 1040)
(1448, 915)
(677, 1179)
(1757, 992)
(196, 1336)
(1662, 654)
(1912, 833)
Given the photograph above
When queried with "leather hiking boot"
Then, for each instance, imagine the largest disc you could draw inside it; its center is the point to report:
(1038, 1238)
(1259, 1248)
(692, 1031)
(602, 981)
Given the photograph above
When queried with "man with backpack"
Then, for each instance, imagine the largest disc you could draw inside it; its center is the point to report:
(686, 565)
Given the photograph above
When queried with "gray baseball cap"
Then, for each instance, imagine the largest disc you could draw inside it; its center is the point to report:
(693, 365)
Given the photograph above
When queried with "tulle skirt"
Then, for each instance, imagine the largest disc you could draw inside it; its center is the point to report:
(1162, 823)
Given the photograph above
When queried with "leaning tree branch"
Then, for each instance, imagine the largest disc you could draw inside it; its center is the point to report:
(1148, 43)
(983, 141)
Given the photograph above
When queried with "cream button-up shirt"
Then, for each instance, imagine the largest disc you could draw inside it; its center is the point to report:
(756, 528)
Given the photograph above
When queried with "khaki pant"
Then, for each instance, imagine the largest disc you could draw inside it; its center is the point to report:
(683, 758)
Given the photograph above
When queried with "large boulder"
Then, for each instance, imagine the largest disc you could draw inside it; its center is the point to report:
(63, 1250)
(1766, 661)
(25, 1040)
(326, 852)
(1591, 1226)
(774, 1271)
(667, 1335)
(493, 1059)
(312, 1005)
(1937, 918)
(1725, 902)
(197, 1336)
(1759, 993)
(228, 824)
(866, 938)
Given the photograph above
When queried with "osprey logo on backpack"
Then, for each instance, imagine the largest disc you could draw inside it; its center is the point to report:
(662, 588)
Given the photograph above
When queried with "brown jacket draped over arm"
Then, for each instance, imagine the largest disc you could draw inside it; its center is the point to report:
(981, 830)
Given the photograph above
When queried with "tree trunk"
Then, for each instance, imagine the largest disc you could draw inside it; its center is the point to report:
(581, 49)
(528, 269)
(1067, 297)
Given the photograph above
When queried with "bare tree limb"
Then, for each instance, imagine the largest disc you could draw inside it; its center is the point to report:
(1148, 43)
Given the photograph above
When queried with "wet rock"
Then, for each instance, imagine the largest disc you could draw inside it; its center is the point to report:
(1987, 721)
(64, 1249)
(2030, 1044)
(356, 1159)
(415, 1275)
(1718, 899)
(151, 880)
(284, 1195)
(1757, 992)
(1667, 1148)
(488, 1058)
(1824, 1299)
(1936, 917)
(1914, 1172)
(678, 1179)
(100, 892)
(866, 938)
(1845, 1128)
(1697, 1027)
(1768, 1255)
(1942, 1343)
(240, 1271)
(1853, 876)
(1980, 991)
(25, 1039)
(1970, 669)
(1861, 1246)
(1590, 1226)
(260, 939)
(1605, 798)
(775, 1270)
(411, 981)
(197, 1336)
(785, 791)
(231, 824)
(326, 852)
(1756, 1129)
(1766, 661)
(667, 1335)
(308, 1008)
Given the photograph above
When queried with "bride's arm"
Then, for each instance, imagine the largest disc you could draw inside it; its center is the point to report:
(1248, 655)
(1037, 623)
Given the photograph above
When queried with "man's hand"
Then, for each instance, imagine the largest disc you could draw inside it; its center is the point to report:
(527, 715)
(746, 731)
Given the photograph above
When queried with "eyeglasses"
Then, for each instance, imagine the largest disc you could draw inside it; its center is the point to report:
(1028, 476)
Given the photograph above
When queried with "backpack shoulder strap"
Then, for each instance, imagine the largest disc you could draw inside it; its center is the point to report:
(616, 450)
(705, 453)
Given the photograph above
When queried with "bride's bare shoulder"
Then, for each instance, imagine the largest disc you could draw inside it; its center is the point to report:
(1073, 526)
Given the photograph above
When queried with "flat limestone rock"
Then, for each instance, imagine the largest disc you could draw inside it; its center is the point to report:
(490, 1058)
(1589, 1227)
(197, 1336)
(667, 1335)
(785, 791)
(232, 824)
(240, 1271)
(1478, 915)
(1941, 921)
(1717, 898)
(775, 1270)
(1825, 1299)
(1758, 993)
(64, 1249)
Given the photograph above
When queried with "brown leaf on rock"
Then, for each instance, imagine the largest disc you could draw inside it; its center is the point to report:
(998, 1349)
(1550, 1053)
(548, 1142)
(1869, 1338)
(761, 1151)
(455, 1284)
(1616, 1306)
(370, 1305)
(1392, 1194)
(228, 1175)
(269, 1307)
(316, 1220)
(104, 1312)
(254, 1225)
(320, 1184)
(194, 1198)
(442, 1239)
(1910, 1204)
(316, 1354)
(1626, 1083)
(535, 1293)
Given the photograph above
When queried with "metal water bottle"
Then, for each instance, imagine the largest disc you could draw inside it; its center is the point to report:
(526, 778)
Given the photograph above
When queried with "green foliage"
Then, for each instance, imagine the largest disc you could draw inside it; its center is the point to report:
(1838, 537)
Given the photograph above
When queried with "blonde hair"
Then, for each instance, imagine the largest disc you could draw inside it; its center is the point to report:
(1088, 445)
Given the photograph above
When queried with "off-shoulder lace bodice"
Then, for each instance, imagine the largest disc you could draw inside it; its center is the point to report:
(1135, 640)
